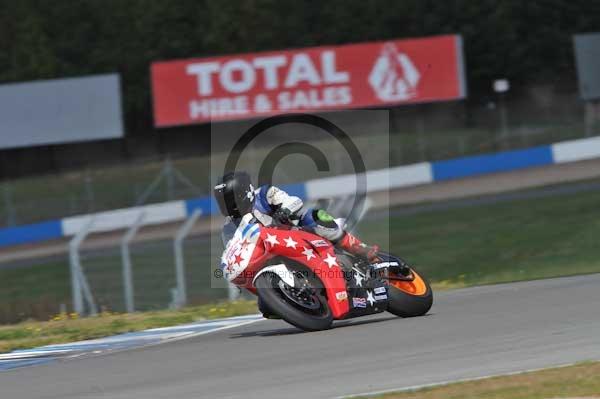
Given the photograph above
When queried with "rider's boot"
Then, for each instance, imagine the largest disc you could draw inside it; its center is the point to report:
(400, 269)
(353, 245)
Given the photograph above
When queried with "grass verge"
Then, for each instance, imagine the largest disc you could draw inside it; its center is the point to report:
(65, 328)
(495, 243)
(580, 380)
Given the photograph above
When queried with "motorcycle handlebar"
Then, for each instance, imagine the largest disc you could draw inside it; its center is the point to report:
(285, 218)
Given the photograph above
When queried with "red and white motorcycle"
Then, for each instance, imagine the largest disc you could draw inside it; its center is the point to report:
(308, 282)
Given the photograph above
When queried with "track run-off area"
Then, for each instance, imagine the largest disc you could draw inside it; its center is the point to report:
(469, 333)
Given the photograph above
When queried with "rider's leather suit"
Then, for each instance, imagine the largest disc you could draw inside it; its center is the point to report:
(270, 200)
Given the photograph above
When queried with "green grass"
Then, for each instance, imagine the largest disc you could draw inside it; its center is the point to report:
(581, 380)
(33, 292)
(69, 327)
(517, 240)
(42, 288)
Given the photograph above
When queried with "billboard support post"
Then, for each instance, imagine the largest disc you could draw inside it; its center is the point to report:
(169, 178)
(89, 191)
(592, 116)
(503, 120)
(501, 87)
(8, 205)
(587, 61)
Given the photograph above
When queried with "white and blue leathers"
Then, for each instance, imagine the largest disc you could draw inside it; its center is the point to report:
(268, 199)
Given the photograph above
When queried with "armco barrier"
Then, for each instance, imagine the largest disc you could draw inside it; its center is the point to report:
(494, 163)
(31, 233)
(397, 177)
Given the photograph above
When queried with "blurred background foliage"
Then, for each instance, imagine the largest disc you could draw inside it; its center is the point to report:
(524, 41)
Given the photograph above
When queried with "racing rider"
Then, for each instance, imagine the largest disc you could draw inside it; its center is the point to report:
(236, 197)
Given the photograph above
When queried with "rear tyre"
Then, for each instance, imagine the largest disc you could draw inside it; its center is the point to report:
(315, 316)
(410, 298)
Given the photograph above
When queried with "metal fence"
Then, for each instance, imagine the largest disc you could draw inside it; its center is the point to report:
(30, 200)
(39, 198)
(113, 272)
(124, 271)
(131, 276)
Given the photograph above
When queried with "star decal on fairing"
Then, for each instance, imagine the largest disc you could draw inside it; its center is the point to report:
(358, 278)
(309, 253)
(272, 239)
(244, 245)
(330, 260)
(229, 267)
(238, 259)
(370, 298)
(290, 243)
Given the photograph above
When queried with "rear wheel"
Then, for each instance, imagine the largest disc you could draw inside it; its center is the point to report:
(409, 298)
(304, 307)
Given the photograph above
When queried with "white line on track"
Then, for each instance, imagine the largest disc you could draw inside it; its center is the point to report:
(128, 341)
(196, 334)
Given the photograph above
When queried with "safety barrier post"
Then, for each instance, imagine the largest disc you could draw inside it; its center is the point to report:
(181, 234)
(126, 260)
(79, 284)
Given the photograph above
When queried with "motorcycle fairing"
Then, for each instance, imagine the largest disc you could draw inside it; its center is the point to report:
(281, 270)
(253, 245)
(295, 244)
(240, 249)
(362, 289)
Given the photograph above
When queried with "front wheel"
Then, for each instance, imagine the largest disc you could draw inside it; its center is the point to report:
(305, 307)
(410, 298)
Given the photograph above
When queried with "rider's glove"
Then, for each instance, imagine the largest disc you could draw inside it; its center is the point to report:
(282, 215)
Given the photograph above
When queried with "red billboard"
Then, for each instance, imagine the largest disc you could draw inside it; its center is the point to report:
(306, 80)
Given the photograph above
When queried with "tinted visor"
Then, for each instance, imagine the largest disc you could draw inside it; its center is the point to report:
(220, 194)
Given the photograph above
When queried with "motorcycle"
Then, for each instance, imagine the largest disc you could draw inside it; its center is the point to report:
(308, 282)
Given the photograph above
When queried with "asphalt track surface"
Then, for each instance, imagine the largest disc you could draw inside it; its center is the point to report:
(469, 333)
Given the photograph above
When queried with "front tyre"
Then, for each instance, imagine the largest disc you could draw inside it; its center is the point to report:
(308, 311)
(410, 298)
